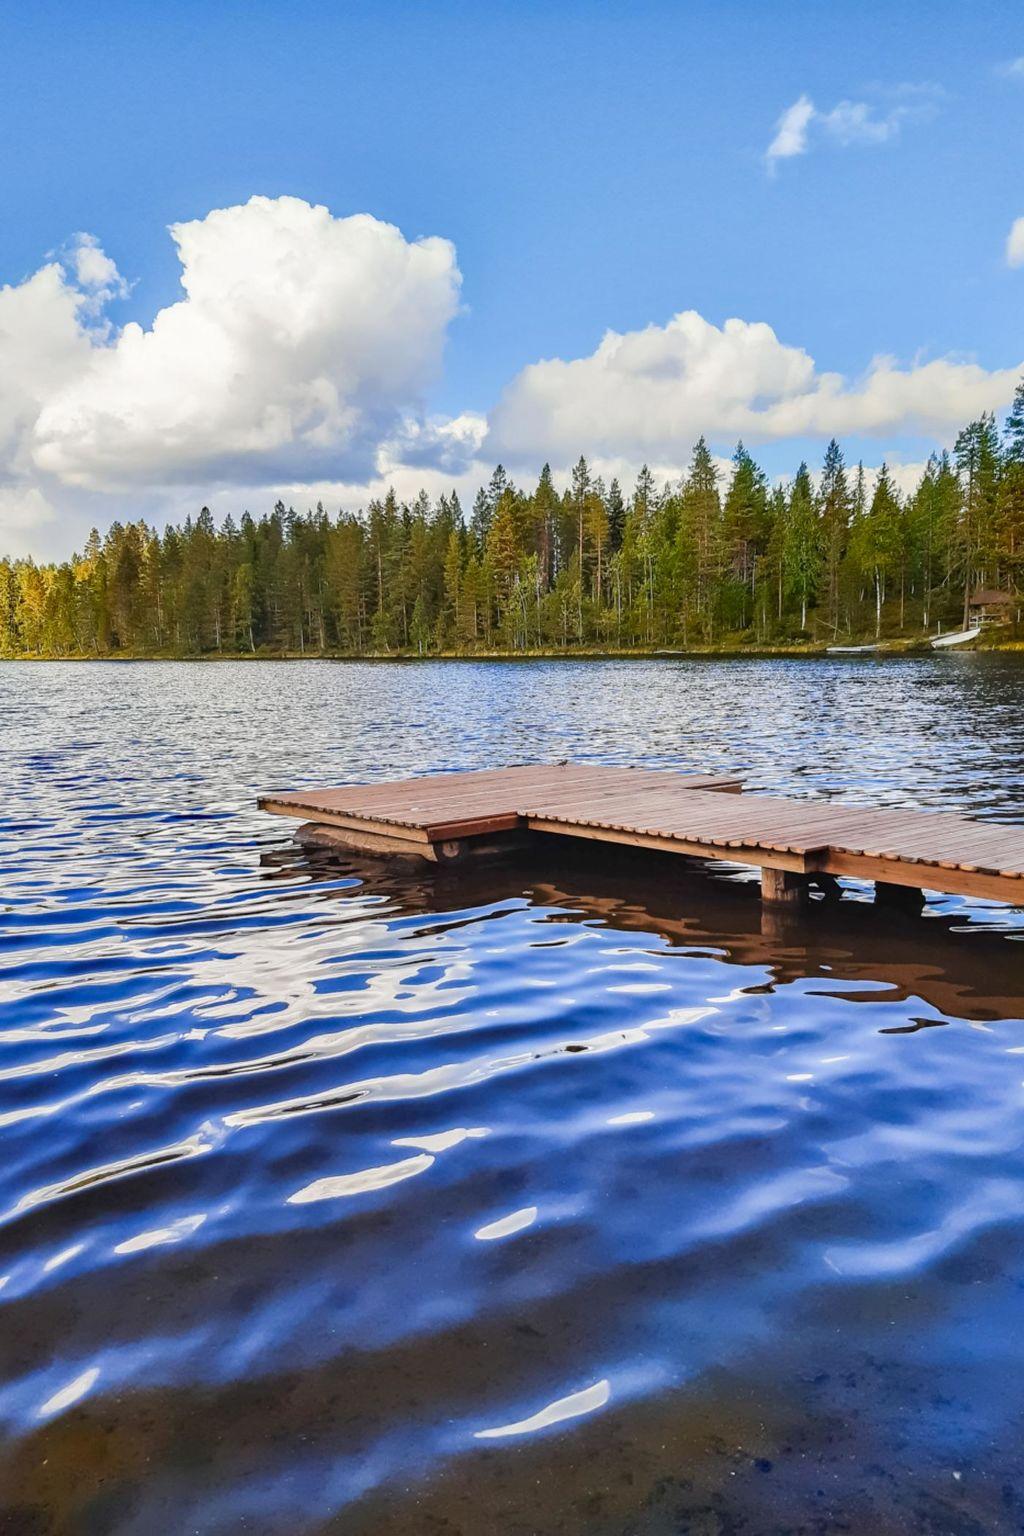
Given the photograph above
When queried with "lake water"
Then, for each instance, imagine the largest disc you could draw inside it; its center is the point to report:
(547, 1197)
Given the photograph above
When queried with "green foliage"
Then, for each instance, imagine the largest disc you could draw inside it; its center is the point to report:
(802, 544)
(708, 559)
(1013, 431)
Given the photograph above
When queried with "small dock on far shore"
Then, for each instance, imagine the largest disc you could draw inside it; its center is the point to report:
(795, 844)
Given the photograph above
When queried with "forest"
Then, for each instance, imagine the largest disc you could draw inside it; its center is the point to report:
(722, 561)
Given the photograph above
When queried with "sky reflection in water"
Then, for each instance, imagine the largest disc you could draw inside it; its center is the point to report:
(557, 1196)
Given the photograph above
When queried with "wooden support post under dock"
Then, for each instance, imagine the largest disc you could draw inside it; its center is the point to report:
(795, 843)
(782, 888)
(901, 898)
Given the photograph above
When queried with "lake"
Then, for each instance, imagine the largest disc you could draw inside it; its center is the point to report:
(553, 1196)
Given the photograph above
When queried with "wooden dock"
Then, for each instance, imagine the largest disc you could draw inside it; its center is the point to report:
(794, 843)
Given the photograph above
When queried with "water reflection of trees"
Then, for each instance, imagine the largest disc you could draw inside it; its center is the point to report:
(964, 961)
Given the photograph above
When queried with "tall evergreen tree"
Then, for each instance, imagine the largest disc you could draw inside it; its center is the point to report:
(616, 516)
(836, 507)
(700, 536)
(978, 464)
(876, 536)
(802, 544)
(1013, 432)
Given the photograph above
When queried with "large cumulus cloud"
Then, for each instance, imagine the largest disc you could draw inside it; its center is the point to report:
(650, 393)
(298, 343)
(299, 360)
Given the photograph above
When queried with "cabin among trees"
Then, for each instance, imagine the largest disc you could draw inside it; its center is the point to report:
(712, 559)
(990, 605)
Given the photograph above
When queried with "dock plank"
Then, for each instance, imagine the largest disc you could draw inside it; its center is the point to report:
(685, 813)
(438, 803)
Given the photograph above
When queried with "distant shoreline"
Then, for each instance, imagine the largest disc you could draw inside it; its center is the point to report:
(808, 651)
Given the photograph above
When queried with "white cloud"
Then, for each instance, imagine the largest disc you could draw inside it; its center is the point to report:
(1015, 244)
(43, 345)
(448, 446)
(856, 122)
(296, 363)
(26, 517)
(95, 272)
(650, 393)
(851, 122)
(300, 350)
(1014, 68)
(791, 131)
(300, 340)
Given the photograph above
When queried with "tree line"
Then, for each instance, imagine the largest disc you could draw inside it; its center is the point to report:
(711, 560)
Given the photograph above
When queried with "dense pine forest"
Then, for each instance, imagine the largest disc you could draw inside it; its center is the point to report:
(715, 560)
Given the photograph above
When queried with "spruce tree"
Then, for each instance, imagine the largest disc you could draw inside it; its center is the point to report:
(876, 537)
(802, 545)
(1013, 430)
(978, 461)
(616, 508)
(835, 505)
(745, 524)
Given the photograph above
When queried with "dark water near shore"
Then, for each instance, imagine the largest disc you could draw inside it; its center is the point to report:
(553, 1197)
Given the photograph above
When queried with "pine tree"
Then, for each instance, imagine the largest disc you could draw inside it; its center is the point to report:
(978, 461)
(802, 543)
(545, 514)
(1010, 496)
(700, 541)
(480, 521)
(503, 557)
(10, 637)
(580, 493)
(419, 628)
(453, 582)
(596, 519)
(836, 506)
(616, 509)
(876, 536)
(745, 526)
(773, 571)
(1013, 431)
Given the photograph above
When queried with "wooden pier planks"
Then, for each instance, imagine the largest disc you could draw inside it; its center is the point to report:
(688, 815)
(444, 806)
(918, 848)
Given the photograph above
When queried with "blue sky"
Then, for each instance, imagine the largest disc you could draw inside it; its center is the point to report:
(595, 167)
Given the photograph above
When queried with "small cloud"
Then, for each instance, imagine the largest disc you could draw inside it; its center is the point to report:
(450, 445)
(791, 131)
(853, 122)
(1013, 69)
(94, 272)
(856, 122)
(93, 267)
(1015, 244)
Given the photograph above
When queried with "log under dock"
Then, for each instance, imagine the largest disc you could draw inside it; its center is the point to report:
(794, 843)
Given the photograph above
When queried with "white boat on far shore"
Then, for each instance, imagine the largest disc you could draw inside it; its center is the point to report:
(961, 637)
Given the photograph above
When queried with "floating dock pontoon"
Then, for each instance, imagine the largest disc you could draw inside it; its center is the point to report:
(794, 843)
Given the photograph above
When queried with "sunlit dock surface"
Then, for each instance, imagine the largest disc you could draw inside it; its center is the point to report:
(796, 844)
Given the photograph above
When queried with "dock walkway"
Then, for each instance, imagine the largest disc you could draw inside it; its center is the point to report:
(794, 842)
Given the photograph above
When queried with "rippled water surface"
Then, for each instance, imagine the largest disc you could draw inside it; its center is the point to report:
(553, 1196)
